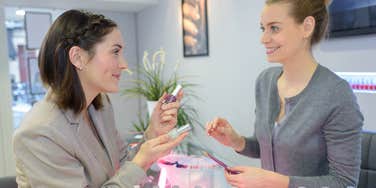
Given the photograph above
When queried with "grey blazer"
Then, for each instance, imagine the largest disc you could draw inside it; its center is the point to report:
(55, 148)
(318, 141)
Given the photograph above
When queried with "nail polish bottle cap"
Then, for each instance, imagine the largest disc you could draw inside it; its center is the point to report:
(176, 90)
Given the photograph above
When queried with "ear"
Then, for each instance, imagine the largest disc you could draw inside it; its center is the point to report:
(327, 2)
(308, 26)
(75, 57)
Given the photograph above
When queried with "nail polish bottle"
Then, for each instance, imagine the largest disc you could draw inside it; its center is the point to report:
(172, 97)
(177, 131)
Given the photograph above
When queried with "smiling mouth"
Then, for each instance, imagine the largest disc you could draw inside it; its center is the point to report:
(270, 51)
(117, 76)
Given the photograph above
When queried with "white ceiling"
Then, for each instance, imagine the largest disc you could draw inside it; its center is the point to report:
(108, 5)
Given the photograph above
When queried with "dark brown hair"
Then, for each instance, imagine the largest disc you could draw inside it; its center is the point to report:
(72, 28)
(301, 9)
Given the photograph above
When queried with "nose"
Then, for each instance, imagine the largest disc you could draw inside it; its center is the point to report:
(123, 64)
(265, 38)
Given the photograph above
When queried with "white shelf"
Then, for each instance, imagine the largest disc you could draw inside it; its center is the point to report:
(360, 82)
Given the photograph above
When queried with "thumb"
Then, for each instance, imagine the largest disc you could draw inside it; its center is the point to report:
(180, 95)
(160, 140)
(238, 168)
(174, 143)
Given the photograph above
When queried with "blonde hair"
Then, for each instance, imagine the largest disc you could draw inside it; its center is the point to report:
(301, 9)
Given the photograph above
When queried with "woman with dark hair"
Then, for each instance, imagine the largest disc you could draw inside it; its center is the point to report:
(69, 138)
(308, 123)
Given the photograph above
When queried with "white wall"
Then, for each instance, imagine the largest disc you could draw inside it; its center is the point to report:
(6, 125)
(126, 109)
(236, 57)
(227, 76)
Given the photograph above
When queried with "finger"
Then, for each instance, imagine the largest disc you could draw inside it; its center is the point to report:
(235, 178)
(214, 126)
(230, 179)
(171, 144)
(171, 105)
(159, 140)
(218, 122)
(208, 128)
(180, 95)
(221, 124)
(172, 112)
(168, 118)
(216, 131)
(180, 138)
(240, 169)
(233, 183)
(160, 101)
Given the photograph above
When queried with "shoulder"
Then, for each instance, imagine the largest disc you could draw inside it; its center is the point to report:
(266, 80)
(335, 87)
(327, 76)
(41, 116)
(335, 96)
(43, 121)
(269, 73)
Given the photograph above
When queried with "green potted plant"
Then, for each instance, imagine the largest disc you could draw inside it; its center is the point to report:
(152, 82)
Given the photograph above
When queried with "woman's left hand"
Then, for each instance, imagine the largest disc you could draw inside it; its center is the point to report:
(164, 117)
(256, 178)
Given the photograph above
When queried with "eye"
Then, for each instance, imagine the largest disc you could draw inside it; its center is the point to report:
(116, 51)
(262, 28)
(274, 28)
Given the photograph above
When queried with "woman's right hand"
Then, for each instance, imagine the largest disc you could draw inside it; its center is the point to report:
(153, 149)
(221, 130)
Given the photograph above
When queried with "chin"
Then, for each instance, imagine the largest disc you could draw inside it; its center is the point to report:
(272, 60)
(112, 90)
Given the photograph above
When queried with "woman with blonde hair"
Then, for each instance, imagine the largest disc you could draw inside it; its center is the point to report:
(308, 123)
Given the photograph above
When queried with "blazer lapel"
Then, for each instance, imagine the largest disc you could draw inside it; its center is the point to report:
(106, 137)
(88, 140)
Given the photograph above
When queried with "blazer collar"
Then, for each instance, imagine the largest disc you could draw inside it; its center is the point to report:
(72, 118)
(105, 136)
(85, 135)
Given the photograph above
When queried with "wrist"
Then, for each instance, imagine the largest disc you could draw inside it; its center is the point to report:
(149, 134)
(141, 163)
(282, 180)
(239, 144)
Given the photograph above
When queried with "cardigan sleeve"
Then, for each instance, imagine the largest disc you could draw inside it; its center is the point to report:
(342, 133)
(252, 147)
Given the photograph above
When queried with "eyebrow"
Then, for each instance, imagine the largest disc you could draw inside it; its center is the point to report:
(118, 45)
(271, 23)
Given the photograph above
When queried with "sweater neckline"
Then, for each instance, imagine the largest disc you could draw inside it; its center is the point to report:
(297, 96)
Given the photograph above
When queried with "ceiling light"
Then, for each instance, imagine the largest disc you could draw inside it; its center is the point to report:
(20, 12)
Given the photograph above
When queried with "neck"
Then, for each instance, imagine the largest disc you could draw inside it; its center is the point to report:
(89, 95)
(299, 69)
